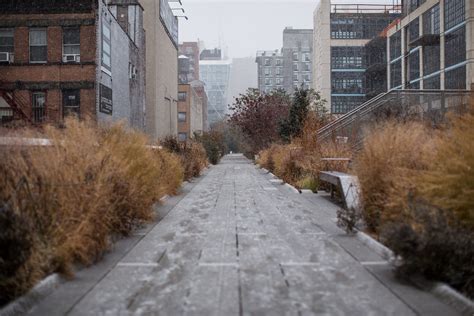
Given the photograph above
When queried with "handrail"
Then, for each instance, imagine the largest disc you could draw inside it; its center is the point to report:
(378, 101)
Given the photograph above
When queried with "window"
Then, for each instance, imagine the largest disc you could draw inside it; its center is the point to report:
(278, 71)
(359, 27)
(306, 57)
(396, 45)
(413, 31)
(432, 83)
(182, 96)
(182, 117)
(38, 106)
(414, 66)
(6, 41)
(352, 83)
(295, 66)
(278, 81)
(456, 78)
(431, 21)
(268, 61)
(347, 57)
(182, 137)
(295, 78)
(268, 81)
(71, 102)
(38, 46)
(71, 41)
(396, 74)
(414, 4)
(106, 46)
(431, 59)
(454, 13)
(455, 47)
(343, 104)
(279, 62)
(295, 56)
(267, 71)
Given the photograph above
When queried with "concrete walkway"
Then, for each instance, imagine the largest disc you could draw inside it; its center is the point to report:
(239, 244)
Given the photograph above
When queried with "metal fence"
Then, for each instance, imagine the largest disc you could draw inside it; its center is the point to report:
(403, 105)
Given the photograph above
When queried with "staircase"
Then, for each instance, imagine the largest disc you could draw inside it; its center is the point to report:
(400, 104)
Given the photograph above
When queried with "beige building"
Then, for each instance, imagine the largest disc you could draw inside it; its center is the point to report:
(162, 68)
(340, 33)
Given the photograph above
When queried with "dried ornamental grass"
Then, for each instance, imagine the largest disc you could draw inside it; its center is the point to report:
(89, 185)
(392, 156)
(449, 181)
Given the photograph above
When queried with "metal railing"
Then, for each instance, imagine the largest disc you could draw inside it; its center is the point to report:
(365, 8)
(429, 105)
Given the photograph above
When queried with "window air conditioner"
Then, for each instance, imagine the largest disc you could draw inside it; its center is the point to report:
(72, 58)
(6, 57)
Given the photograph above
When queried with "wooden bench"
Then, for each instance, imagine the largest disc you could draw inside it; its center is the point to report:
(346, 183)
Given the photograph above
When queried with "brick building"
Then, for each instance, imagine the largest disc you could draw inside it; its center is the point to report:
(82, 57)
(189, 68)
(192, 109)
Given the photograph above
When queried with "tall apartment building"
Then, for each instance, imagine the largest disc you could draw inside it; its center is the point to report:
(340, 34)
(161, 28)
(270, 70)
(297, 56)
(189, 66)
(84, 58)
(432, 46)
(291, 66)
(215, 73)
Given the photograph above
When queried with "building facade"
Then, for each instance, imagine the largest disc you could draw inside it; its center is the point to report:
(432, 46)
(270, 70)
(161, 28)
(215, 73)
(189, 67)
(192, 110)
(297, 56)
(85, 58)
(340, 34)
(289, 67)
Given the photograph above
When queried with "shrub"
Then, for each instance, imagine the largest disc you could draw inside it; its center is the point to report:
(299, 162)
(192, 155)
(75, 195)
(433, 244)
(213, 143)
(392, 155)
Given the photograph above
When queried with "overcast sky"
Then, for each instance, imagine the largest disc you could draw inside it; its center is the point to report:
(246, 26)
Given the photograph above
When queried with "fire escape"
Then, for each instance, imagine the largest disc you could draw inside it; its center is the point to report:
(16, 109)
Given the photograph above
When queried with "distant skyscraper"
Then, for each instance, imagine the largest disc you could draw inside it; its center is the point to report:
(215, 73)
(290, 67)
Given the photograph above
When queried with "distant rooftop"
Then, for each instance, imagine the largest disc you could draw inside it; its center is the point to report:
(211, 54)
(263, 53)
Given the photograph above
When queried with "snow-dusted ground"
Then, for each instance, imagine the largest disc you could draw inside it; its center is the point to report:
(238, 244)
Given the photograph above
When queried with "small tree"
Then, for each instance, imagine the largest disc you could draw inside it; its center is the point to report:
(258, 116)
(303, 101)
